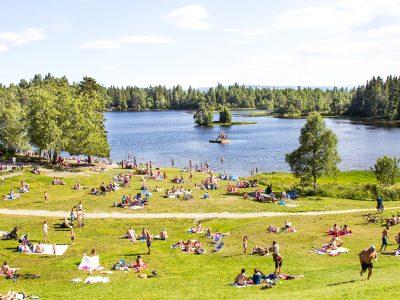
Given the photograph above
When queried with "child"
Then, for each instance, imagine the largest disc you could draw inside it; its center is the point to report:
(245, 240)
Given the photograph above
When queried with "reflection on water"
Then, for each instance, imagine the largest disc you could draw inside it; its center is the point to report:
(163, 135)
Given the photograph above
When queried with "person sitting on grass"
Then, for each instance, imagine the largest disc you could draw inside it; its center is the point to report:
(198, 229)
(139, 264)
(66, 224)
(258, 276)
(77, 186)
(39, 248)
(6, 270)
(163, 235)
(336, 242)
(131, 234)
(241, 279)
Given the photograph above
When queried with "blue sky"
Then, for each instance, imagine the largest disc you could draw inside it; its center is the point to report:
(201, 43)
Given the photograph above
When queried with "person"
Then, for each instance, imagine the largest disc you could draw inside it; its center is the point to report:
(163, 234)
(241, 279)
(131, 234)
(397, 238)
(385, 238)
(366, 257)
(379, 204)
(45, 231)
(148, 241)
(46, 197)
(6, 270)
(245, 241)
(72, 235)
(139, 263)
(278, 262)
(275, 247)
(257, 276)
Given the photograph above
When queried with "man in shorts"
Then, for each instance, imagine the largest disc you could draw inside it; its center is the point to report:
(278, 262)
(367, 256)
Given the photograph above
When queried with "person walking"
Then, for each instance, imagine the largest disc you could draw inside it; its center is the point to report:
(385, 237)
(367, 256)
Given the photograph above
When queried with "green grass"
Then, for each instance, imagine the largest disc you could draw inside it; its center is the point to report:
(64, 197)
(206, 276)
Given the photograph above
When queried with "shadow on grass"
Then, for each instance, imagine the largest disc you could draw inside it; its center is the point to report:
(340, 283)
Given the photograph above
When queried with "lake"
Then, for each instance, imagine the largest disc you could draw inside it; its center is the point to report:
(160, 136)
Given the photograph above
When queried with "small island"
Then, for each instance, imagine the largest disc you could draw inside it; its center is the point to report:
(204, 116)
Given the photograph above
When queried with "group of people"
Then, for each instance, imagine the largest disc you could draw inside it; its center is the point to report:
(337, 230)
(57, 181)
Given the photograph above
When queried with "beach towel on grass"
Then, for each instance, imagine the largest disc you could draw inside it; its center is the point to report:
(48, 249)
(90, 263)
(332, 252)
(97, 279)
(3, 233)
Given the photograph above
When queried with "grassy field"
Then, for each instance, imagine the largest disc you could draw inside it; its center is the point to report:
(191, 276)
(205, 276)
(64, 197)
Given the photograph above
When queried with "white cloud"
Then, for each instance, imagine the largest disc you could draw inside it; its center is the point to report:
(248, 32)
(336, 16)
(3, 48)
(189, 17)
(147, 39)
(24, 37)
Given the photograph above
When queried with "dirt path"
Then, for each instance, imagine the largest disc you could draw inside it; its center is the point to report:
(219, 215)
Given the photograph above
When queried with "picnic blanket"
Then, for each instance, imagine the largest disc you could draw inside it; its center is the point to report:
(3, 233)
(48, 249)
(90, 263)
(336, 252)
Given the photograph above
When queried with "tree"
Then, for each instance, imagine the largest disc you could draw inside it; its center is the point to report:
(387, 170)
(225, 115)
(203, 115)
(12, 122)
(317, 154)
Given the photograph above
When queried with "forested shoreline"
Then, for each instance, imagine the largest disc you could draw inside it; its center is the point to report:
(51, 113)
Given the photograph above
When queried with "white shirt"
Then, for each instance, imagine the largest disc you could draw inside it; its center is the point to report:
(45, 228)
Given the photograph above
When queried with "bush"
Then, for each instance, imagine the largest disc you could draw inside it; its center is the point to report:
(387, 170)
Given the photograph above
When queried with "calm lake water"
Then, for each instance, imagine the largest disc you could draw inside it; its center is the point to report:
(162, 135)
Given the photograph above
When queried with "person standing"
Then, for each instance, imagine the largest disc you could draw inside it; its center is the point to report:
(148, 241)
(278, 262)
(385, 237)
(45, 231)
(46, 197)
(367, 256)
(379, 204)
(245, 241)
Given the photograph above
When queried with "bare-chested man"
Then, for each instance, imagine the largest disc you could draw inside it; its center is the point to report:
(367, 256)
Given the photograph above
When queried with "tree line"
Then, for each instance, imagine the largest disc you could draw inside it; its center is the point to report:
(300, 101)
(51, 115)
